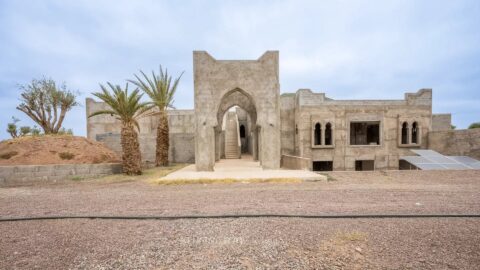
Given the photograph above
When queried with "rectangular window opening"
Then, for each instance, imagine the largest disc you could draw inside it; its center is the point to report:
(323, 166)
(364, 165)
(365, 133)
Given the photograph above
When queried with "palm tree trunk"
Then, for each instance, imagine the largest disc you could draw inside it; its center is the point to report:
(161, 158)
(131, 158)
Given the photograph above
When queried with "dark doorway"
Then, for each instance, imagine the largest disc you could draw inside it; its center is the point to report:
(364, 165)
(242, 131)
(323, 165)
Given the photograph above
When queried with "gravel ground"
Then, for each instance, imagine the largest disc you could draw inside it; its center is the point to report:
(247, 243)
(241, 244)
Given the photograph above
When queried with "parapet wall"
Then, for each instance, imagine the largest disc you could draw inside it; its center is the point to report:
(464, 142)
(441, 122)
(21, 174)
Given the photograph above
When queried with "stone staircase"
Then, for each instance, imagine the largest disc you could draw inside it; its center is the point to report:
(232, 150)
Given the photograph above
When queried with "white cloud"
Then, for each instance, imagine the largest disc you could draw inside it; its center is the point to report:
(350, 49)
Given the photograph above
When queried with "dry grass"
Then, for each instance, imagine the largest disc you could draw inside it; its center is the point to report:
(66, 155)
(225, 181)
(35, 137)
(8, 155)
(350, 236)
(148, 175)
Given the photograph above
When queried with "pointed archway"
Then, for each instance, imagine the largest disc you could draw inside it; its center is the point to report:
(239, 98)
(252, 85)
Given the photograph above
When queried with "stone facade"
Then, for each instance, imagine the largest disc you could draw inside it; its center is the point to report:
(305, 125)
(315, 108)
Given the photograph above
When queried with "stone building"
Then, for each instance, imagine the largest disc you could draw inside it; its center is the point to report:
(239, 112)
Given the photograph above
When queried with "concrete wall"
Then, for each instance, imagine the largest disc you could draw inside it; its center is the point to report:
(296, 163)
(464, 142)
(251, 84)
(311, 108)
(106, 129)
(441, 122)
(287, 128)
(13, 175)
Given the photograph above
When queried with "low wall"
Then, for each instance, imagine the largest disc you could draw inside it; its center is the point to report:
(463, 142)
(34, 173)
(296, 163)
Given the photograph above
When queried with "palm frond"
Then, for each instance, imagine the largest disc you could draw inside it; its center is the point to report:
(126, 106)
(158, 87)
(111, 112)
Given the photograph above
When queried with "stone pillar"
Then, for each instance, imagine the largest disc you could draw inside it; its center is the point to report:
(205, 148)
(270, 150)
(218, 135)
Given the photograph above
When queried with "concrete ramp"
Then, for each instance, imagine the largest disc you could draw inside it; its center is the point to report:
(242, 169)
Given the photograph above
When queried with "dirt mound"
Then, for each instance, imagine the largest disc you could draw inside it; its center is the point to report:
(54, 149)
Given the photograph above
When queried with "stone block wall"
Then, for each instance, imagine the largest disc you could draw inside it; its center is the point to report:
(441, 122)
(464, 142)
(106, 129)
(287, 127)
(21, 174)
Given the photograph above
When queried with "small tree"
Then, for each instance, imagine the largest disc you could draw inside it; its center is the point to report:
(127, 108)
(25, 130)
(474, 125)
(12, 127)
(46, 103)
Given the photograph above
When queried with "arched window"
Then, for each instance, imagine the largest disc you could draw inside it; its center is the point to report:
(318, 134)
(415, 132)
(328, 134)
(242, 131)
(405, 133)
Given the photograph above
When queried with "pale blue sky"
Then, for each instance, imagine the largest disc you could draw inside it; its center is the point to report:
(348, 49)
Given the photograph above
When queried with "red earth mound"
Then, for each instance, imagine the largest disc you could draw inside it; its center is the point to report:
(54, 149)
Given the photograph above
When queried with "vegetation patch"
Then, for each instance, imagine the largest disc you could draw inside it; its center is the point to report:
(351, 236)
(76, 178)
(328, 176)
(8, 155)
(66, 155)
(148, 175)
(226, 181)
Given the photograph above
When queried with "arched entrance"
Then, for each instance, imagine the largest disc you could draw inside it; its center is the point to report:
(252, 85)
(245, 119)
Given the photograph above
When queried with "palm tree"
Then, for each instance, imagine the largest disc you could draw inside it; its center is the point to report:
(161, 90)
(127, 108)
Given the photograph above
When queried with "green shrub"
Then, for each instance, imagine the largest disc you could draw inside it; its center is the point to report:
(474, 125)
(66, 155)
(64, 131)
(25, 130)
(35, 131)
